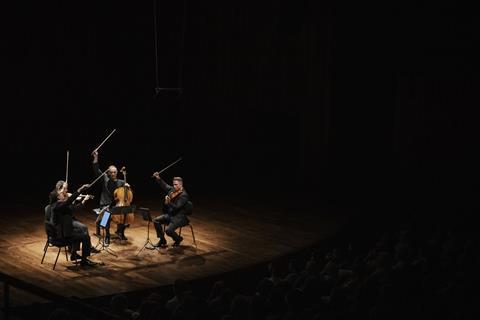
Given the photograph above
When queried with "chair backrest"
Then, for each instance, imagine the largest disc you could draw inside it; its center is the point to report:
(52, 235)
(50, 230)
(48, 214)
(189, 208)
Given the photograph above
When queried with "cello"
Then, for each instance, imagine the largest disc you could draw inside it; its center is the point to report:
(123, 198)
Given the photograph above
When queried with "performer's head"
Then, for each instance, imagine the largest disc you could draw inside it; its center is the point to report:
(60, 184)
(112, 173)
(60, 193)
(177, 183)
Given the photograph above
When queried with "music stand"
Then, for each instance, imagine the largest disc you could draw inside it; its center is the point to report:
(147, 217)
(122, 210)
(103, 225)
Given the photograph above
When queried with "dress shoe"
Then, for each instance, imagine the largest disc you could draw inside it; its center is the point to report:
(121, 235)
(160, 243)
(75, 256)
(87, 263)
(94, 250)
(107, 240)
(177, 242)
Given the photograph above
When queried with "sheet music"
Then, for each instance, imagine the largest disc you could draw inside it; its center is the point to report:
(106, 216)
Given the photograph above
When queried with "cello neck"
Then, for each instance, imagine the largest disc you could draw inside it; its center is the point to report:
(124, 172)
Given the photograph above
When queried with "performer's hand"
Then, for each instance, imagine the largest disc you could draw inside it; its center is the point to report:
(95, 155)
(127, 185)
(87, 197)
(85, 186)
(167, 199)
(156, 175)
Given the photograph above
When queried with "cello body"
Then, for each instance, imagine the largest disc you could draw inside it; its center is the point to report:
(123, 197)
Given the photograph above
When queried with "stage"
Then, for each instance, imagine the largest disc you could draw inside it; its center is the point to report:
(229, 237)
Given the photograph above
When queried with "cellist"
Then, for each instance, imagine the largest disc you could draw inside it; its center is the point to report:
(109, 185)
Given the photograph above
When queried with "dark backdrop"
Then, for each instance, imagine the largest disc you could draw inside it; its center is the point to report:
(299, 100)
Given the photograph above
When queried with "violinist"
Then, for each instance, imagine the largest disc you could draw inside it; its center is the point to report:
(174, 210)
(109, 185)
(63, 208)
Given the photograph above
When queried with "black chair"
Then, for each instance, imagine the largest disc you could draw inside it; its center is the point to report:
(191, 229)
(52, 239)
(188, 212)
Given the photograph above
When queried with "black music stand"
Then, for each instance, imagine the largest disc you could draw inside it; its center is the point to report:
(147, 217)
(119, 210)
(101, 240)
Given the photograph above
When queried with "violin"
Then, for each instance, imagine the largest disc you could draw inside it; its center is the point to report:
(172, 195)
(81, 196)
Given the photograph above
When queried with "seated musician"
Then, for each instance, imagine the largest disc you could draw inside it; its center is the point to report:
(174, 210)
(62, 209)
(107, 199)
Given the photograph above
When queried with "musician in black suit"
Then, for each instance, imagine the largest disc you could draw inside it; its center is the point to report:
(67, 227)
(175, 210)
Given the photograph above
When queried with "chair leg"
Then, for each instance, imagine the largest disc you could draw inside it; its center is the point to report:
(66, 254)
(193, 236)
(76, 260)
(44, 251)
(180, 231)
(59, 249)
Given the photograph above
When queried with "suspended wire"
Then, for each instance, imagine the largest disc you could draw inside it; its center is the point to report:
(155, 35)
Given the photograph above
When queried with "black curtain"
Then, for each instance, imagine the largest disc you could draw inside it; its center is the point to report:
(351, 105)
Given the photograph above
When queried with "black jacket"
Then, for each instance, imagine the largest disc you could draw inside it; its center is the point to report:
(108, 187)
(62, 216)
(178, 204)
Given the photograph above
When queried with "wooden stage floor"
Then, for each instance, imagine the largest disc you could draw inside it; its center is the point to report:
(229, 237)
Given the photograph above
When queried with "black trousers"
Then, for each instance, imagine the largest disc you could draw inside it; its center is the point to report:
(172, 223)
(80, 236)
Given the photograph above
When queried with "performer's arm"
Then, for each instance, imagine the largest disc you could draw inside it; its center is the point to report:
(60, 205)
(165, 186)
(96, 166)
(78, 206)
(81, 204)
(72, 198)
